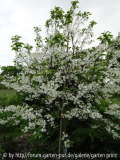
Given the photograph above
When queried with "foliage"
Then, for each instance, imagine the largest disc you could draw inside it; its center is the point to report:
(14, 100)
(1, 85)
(6, 97)
(14, 144)
(8, 145)
(10, 70)
(66, 88)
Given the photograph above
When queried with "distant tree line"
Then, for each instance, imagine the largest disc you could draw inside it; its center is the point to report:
(8, 70)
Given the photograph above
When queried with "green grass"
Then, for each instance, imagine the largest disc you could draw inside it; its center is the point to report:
(7, 93)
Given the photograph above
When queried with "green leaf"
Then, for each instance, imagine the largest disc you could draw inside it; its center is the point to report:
(43, 100)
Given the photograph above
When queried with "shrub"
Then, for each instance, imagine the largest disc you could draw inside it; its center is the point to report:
(66, 88)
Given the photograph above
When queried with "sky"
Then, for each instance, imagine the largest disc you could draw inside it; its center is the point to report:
(18, 17)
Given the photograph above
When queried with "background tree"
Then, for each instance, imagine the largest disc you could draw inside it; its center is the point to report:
(9, 70)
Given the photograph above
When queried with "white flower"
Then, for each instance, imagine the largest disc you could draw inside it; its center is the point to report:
(67, 143)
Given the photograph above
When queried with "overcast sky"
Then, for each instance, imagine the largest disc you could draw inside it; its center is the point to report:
(17, 17)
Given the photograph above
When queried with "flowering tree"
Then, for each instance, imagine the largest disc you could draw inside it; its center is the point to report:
(66, 88)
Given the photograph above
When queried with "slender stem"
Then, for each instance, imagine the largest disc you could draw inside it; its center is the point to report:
(61, 124)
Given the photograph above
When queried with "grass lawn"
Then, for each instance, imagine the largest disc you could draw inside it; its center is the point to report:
(6, 92)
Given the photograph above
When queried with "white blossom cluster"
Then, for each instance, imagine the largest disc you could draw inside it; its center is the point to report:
(67, 143)
(111, 110)
(66, 140)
